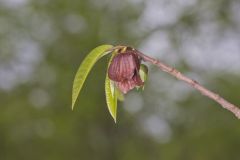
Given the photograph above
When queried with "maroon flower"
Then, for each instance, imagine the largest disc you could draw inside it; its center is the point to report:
(124, 71)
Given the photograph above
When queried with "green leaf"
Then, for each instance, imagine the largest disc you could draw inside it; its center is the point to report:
(143, 72)
(111, 97)
(120, 95)
(111, 93)
(85, 68)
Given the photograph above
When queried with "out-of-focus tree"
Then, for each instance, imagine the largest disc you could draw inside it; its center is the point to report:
(43, 42)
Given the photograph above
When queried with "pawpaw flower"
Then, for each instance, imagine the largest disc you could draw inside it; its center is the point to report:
(124, 70)
(124, 73)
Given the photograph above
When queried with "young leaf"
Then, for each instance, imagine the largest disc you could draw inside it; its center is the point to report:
(120, 95)
(143, 74)
(111, 93)
(111, 97)
(85, 68)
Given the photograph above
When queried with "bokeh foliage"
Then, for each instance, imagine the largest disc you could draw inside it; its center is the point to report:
(42, 44)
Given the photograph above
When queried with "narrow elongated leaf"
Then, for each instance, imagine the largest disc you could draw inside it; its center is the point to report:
(111, 93)
(111, 98)
(85, 68)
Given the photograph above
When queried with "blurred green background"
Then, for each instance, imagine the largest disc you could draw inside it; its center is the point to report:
(43, 42)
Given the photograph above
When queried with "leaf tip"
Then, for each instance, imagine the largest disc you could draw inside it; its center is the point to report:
(115, 119)
(73, 104)
(114, 116)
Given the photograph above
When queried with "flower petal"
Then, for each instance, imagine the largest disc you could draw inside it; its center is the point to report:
(123, 67)
(125, 86)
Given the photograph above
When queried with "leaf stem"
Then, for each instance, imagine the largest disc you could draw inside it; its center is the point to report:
(164, 67)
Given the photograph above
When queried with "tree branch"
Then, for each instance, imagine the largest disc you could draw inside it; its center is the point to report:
(224, 103)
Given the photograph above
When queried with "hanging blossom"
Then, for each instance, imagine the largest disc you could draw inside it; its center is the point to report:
(124, 70)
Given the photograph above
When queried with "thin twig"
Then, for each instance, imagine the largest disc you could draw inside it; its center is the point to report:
(224, 103)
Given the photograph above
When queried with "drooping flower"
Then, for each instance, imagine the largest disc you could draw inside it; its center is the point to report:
(124, 70)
